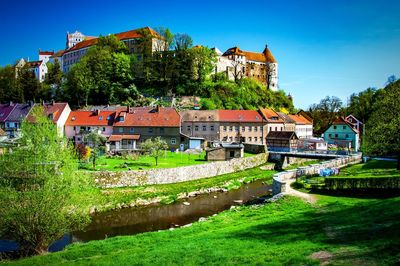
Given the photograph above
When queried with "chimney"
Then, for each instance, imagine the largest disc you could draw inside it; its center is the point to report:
(157, 108)
(11, 103)
(53, 102)
(128, 109)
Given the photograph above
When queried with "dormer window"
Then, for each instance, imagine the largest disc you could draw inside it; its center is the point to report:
(121, 119)
(108, 117)
(100, 117)
(73, 118)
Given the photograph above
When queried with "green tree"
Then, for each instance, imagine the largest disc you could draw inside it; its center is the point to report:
(97, 143)
(53, 80)
(154, 147)
(361, 104)
(37, 180)
(325, 112)
(29, 84)
(9, 88)
(383, 127)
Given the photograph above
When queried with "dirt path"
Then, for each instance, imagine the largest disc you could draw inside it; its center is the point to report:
(290, 191)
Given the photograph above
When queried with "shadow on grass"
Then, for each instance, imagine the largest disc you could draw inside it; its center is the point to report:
(369, 226)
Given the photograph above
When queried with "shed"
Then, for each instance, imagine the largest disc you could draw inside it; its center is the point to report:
(284, 141)
(225, 152)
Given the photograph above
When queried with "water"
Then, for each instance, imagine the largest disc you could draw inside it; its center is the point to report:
(132, 221)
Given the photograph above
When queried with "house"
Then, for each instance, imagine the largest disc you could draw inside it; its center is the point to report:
(81, 123)
(273, 121)
(133, 126)
(58, 113)
(200, 124)
(14, 119)
(342, 134)
(312, 144)
(5, 110)
(225, 151)
(357, 124)
(238, 64)
(78, 46)
(303, 127)
(284, 141)
(39, 68)
(288, 123)
(241, 126)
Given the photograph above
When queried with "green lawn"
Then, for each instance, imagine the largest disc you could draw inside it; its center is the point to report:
(105, 199)
(373, 168)
(167, 160)
(347, 231)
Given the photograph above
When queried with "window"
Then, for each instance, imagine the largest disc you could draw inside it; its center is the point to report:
(150, 130)
(121, 119)
(276, 128)
(231, 128)
(250, 128)
(330, 135)
(189, 128)
(120, 130)
(173, 140)
(255, 128)
(255, 139)
(230, 138)
(334, 127)
(250, 139)
(347, 135)
(196, 128)
(101, 117)
(224, 128)
(344, 127)
(108, 117)
(162, 130)
(104, 129)
(243, 129)
(204, 128)
(237, 128)
(74, 128)
(270, 128)
(131, 130)
(336, 135)
(212, 128)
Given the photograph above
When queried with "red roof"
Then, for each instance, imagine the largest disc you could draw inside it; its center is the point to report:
(239, 116)
(46, 52)
(55, 109)
(271, 116)
(342, 121)
(121, 137)
(132, 34)
(148, 117)
(90, 118)
(265, 56)
(58, 53)
(299, 119)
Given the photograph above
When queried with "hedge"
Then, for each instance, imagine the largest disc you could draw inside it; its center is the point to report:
(340, 183)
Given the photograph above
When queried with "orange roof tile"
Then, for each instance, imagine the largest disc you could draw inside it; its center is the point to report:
(148, 117)
(271, 116)
(240, 116)
(90, 118)
(121, 137)
(55, 109)
(46, 52)
(299, 119)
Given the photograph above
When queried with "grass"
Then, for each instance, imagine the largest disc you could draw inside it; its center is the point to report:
(297, 165)
(105, 199)
(349, 231)
(373, 168)
(167, 160)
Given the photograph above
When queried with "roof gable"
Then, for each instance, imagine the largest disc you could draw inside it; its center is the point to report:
(90, 118)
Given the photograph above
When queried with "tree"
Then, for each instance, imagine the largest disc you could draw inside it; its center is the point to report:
(37, 180)
(9, 88)
(53, 80)
(383, 127)
(29, 84)
(97, 142)
(325, 112)
(154, 147)
(361, 104)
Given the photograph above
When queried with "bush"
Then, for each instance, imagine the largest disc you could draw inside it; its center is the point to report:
(367, 183)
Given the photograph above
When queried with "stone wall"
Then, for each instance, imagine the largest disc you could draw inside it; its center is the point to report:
(108, 179)
(279, 179)
(254, 148)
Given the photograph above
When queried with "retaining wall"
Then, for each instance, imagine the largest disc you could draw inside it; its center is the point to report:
(280, 179)
(109, 179)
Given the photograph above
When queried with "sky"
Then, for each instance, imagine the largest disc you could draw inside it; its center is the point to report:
(323, 48)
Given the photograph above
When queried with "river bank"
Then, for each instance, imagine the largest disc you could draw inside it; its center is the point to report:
(289, 231)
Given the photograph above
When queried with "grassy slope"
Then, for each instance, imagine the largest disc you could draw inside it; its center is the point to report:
(104, 199)
(373, 168)
(167, 160)
(354, 231)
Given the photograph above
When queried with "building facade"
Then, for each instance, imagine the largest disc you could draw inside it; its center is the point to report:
(343, 135)
(238, 64)
(200, 124)
(131, 38)
(133, 126)
(13, 122)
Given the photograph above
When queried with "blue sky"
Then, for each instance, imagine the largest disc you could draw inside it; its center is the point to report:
(322, 47)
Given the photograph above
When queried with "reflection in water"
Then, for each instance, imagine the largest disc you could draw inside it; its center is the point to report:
(132, 221)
